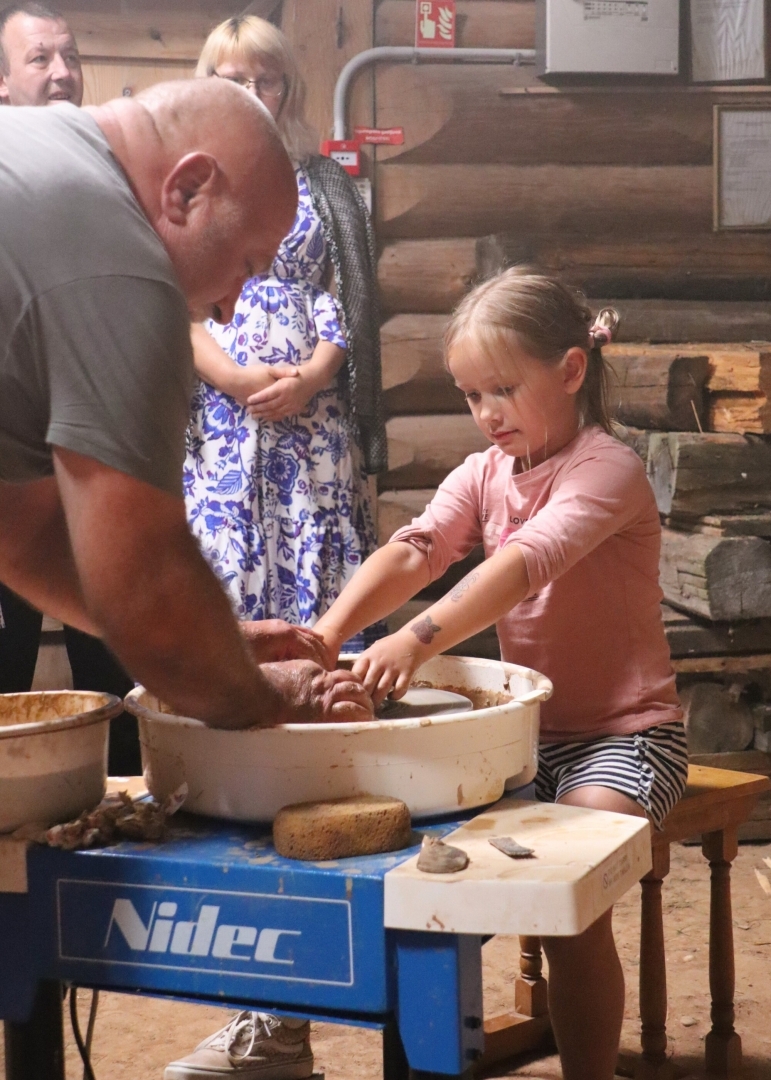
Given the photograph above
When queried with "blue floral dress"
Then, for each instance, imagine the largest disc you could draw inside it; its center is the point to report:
(282, 509)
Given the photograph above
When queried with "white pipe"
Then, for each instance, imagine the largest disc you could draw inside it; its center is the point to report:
(404, 53)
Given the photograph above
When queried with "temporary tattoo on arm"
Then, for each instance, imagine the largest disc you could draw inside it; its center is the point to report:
(424, 630)
(463, 586)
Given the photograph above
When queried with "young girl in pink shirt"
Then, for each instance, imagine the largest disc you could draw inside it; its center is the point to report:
(571, 536)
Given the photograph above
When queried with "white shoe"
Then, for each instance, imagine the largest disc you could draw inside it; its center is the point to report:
(253, 1046)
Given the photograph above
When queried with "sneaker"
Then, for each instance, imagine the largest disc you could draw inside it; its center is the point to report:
(253, 1046)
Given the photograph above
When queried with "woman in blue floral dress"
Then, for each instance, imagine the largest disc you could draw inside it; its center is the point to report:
(276, 481)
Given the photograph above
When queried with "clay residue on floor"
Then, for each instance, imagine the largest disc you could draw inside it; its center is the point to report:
(135, 1037)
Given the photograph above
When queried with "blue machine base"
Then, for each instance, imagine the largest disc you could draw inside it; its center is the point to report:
(215, 915)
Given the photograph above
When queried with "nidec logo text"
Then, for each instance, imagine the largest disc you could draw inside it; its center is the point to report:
(163, 933)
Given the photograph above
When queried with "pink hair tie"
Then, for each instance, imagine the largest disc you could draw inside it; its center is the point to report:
(601, 335)
(604, 327)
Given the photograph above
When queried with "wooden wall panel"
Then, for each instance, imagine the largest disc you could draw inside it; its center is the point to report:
(422, 450)
(460, 114)
(116, 78)
(682, 265)
(499, 24)
(154, 35)
(325, 34)
(426, 275)
(472, 200)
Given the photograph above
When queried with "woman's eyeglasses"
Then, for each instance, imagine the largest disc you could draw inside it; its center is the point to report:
(270, 86)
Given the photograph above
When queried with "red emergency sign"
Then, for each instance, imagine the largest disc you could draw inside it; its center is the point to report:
(345, 152)
(380, 136)
(435, 24)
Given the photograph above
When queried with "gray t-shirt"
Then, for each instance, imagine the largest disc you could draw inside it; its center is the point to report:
(95, 351)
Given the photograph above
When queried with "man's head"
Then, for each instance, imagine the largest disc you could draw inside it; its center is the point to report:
(208, 166)
(39, 61)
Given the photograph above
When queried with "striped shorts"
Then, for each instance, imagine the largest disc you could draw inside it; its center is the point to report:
(650, 767)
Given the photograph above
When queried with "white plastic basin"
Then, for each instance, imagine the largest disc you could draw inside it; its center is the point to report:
(53, 754)
(436, 764)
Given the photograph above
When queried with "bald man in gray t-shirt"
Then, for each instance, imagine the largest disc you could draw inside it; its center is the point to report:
(116, 225)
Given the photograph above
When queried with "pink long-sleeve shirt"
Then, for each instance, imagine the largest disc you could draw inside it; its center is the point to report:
(587, 523)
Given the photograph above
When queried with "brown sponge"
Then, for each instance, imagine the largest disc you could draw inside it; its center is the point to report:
(342, 828)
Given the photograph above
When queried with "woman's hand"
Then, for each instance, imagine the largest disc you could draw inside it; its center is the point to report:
(288, 394)
(388, 666)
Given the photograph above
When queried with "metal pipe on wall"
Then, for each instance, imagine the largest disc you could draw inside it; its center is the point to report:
(408, 53)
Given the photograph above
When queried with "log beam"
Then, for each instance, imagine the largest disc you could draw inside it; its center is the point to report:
(422, 450)
(719, 578)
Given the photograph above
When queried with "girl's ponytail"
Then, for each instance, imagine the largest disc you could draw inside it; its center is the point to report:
(594, 394)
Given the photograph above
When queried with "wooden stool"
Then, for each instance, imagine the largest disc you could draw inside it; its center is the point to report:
(716, 802)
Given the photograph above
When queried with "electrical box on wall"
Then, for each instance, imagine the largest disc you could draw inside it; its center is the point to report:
(607, 37)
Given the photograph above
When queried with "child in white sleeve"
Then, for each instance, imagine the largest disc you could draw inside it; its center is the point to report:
(571, 535)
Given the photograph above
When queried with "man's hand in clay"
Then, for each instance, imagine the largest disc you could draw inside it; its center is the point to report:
(273, 640)
(307, 694)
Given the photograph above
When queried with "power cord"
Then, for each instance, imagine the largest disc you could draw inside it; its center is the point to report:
(84, 1048)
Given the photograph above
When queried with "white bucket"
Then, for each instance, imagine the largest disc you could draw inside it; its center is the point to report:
(435, 764)
(53, 754)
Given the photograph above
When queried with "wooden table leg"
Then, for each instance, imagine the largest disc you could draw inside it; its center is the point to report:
(510, 1034)
(723, 1046)
(653, 1064)
(531, 991)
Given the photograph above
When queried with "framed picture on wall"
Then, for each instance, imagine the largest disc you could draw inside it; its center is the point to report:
(728, 40)
(742, 157)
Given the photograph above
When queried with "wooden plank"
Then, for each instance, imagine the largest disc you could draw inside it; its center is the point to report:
(691, 263)
(749, 524)
(662, 391)
(758, 827)
(470, 200)
(690, 636)
(726, 665)
(397, 508)
(422, 450)
(157, 35)
(425, 275)
(448, 113)
(694, 474)
(749, 413)
(691, 320)
(415, 379)
(325, 35)
(500, 24)
(744, 368)
(719, 578)
(109, 79)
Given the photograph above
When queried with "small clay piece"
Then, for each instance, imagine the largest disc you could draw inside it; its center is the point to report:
(510, 847)
(342, 828)
(436, 857)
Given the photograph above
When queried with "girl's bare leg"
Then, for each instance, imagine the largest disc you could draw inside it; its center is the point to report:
(586, 983)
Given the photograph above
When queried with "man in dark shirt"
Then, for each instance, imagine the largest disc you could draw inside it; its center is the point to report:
(116, 224)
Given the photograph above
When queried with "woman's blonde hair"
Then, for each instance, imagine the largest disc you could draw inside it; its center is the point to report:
(545, 318)
(247, 38)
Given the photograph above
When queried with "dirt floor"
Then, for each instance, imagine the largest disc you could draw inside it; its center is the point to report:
(136, 1037)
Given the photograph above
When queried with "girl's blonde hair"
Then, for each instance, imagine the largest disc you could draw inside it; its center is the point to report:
(545, 318)
(246, 38)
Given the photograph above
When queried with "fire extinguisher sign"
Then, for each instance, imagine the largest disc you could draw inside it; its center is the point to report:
(435, 24)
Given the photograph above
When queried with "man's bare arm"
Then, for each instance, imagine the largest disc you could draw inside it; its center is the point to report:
(36, 559)
(163, 612)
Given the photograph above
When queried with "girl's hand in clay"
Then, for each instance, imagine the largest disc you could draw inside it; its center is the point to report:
(388, 666)
(273, 640)
(307, 694)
